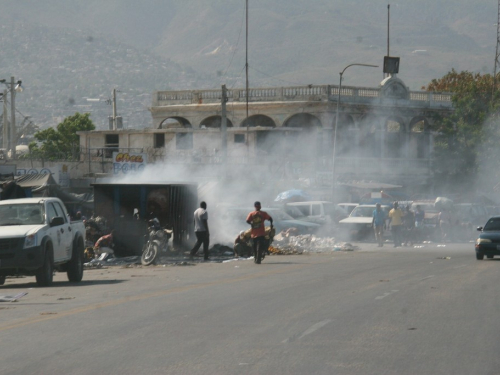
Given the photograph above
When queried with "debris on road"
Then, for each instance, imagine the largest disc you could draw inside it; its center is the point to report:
(221, 250)
(447, 258)
(307, 243)
(110, 260)
(14, 298)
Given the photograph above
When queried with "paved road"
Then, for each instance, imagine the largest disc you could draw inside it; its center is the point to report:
(372, 311)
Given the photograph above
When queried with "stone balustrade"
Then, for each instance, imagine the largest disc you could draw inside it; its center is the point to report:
(293, 93)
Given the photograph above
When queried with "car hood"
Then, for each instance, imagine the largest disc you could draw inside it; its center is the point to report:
(296, 223)
(10, 231)
(357, 220)
(490, 235)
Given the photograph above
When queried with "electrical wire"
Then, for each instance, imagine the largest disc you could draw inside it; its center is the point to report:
(237, 44)
(278, 79)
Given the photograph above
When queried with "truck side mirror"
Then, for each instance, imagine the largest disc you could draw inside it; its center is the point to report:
(56, 221)
(479, 229)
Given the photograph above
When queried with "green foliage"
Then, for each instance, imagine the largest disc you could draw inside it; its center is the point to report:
(465, 137)
(63, 143)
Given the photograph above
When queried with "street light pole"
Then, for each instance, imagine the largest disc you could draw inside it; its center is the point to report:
(6, 139)
(13, 87)
(13, 133)
(337, 118)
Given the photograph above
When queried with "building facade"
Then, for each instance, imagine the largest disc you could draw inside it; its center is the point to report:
(383, 134)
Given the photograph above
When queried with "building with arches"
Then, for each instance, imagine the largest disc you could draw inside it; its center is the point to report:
(384, 133)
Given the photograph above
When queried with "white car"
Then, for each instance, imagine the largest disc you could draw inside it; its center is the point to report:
(359, 223)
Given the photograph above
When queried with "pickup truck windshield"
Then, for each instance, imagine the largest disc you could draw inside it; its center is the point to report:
(21, 214)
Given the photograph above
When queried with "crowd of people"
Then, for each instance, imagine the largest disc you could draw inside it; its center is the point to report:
(407, 226)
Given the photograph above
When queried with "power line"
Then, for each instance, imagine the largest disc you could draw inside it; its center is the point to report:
(279, 79)
(237, 43)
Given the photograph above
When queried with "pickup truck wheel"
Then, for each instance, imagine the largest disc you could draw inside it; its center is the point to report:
(2, 280)
(75, 265)
(479, 256)
(45, 274)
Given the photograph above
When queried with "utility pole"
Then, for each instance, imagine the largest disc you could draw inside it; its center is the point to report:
(223, 125)
(497, 53)
(6, 139)
(388, 30)
(114, 109)
(246, 85)
(13, 133)
(115, 122)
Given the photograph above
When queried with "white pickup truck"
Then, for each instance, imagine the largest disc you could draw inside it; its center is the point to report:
(36, 238)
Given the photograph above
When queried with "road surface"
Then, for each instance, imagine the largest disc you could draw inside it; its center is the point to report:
(430, 310)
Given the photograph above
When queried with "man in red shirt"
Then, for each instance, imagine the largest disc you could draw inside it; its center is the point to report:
(256, 219)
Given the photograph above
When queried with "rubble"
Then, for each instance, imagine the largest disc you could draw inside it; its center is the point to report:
(221, 250)
(307, 243)
(109, 260)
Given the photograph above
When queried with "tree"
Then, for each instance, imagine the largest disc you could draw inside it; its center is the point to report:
(62, 143)
(464, 138)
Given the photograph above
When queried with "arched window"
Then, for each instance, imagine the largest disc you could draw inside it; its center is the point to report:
(174, 123)
(346, 137)
(306, 145)
(419, 138)
(394, 138)
(370, 137)
(214, 122)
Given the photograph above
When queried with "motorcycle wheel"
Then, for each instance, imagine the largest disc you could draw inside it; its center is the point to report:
(149, 255)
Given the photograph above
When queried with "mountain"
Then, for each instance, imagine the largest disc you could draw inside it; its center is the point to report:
(69, 51)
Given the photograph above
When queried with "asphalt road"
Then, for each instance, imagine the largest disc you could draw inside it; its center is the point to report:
(429, 310)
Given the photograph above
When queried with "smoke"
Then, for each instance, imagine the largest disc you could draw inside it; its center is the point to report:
(290, 157)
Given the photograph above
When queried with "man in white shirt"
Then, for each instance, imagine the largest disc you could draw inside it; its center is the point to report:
(201, 231)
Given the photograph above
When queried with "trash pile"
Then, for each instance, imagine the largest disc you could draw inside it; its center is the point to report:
(108, 260)
(307, 243)
(219, 250)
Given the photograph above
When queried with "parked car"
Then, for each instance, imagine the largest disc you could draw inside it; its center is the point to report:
(324, 213)
(234, 219)
(348, 207)
(358, 225)
(488, 242)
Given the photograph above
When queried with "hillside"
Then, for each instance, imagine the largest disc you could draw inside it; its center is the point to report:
(66, 51)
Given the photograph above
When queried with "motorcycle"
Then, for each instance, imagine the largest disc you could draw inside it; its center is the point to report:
(158, 242)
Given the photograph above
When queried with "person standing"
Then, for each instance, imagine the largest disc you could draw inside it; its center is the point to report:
(201, 231)
(256, 219)
(408, 226)
(396, 220)
(444, 224)
(419, 224)
(378, 224)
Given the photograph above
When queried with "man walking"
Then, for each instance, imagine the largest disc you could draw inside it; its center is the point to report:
(201, 231)
(396, 220)
(378, 224)
(256, 219)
